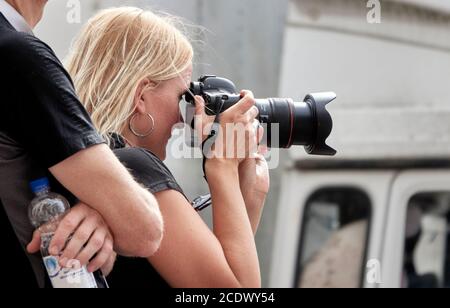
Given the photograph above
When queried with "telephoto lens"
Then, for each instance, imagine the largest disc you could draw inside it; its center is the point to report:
(287, 122)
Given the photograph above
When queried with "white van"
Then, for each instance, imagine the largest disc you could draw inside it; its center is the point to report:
(377, 214)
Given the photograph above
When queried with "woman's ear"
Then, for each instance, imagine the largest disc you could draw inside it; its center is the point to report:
(139, 98)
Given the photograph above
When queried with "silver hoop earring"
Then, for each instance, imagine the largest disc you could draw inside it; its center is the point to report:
(130, 125)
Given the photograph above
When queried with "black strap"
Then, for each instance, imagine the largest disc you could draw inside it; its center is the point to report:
(209, 142)
(211, 139)
(202, 202)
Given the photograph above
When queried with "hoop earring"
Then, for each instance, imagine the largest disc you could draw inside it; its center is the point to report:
(130, 125)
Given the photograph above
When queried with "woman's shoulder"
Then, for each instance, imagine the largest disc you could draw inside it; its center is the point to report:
(148, 169)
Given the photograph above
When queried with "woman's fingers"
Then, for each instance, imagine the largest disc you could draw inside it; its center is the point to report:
(251, 114)
(202, 121)
(244, 105)
(199, 106)
(240, 133)
(262, 151)
(259, 132)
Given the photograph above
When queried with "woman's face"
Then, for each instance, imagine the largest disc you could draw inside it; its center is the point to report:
(163, 103)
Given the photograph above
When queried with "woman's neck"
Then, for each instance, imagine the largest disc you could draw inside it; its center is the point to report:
(128, 143)
(136, 142)
(130, 140)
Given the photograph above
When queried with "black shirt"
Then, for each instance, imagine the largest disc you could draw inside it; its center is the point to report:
(154, 175)
(19, 271)
(40, 108)
(42, 123)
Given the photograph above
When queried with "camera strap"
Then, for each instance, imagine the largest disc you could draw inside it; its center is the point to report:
(214, 133)
(209, 142)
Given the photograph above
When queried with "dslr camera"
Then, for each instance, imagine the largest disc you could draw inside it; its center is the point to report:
(306, 123)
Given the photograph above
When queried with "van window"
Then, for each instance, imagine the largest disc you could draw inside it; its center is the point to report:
(334, 239)
(426, 261)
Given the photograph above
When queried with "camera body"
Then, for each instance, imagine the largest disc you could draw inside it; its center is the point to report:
(218, 93)
(287, 122)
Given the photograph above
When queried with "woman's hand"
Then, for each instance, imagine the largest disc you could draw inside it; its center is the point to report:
(237, 139)
(254, 172)
(254, 176)
(202, 121)
(82, 235)
(254, 182)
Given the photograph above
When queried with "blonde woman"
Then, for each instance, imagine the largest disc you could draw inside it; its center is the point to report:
(130, 68)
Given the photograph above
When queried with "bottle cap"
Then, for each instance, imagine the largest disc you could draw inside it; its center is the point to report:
(40, 185)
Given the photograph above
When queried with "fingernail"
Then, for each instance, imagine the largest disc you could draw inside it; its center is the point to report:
(54, 250)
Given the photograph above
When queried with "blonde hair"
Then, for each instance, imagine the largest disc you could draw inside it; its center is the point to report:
(115, 51)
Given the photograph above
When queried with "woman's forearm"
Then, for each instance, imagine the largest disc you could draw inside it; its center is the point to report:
(254, 203)
(254, 187)
(231, 223)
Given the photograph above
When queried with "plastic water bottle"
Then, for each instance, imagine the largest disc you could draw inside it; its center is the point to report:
(46, 211)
